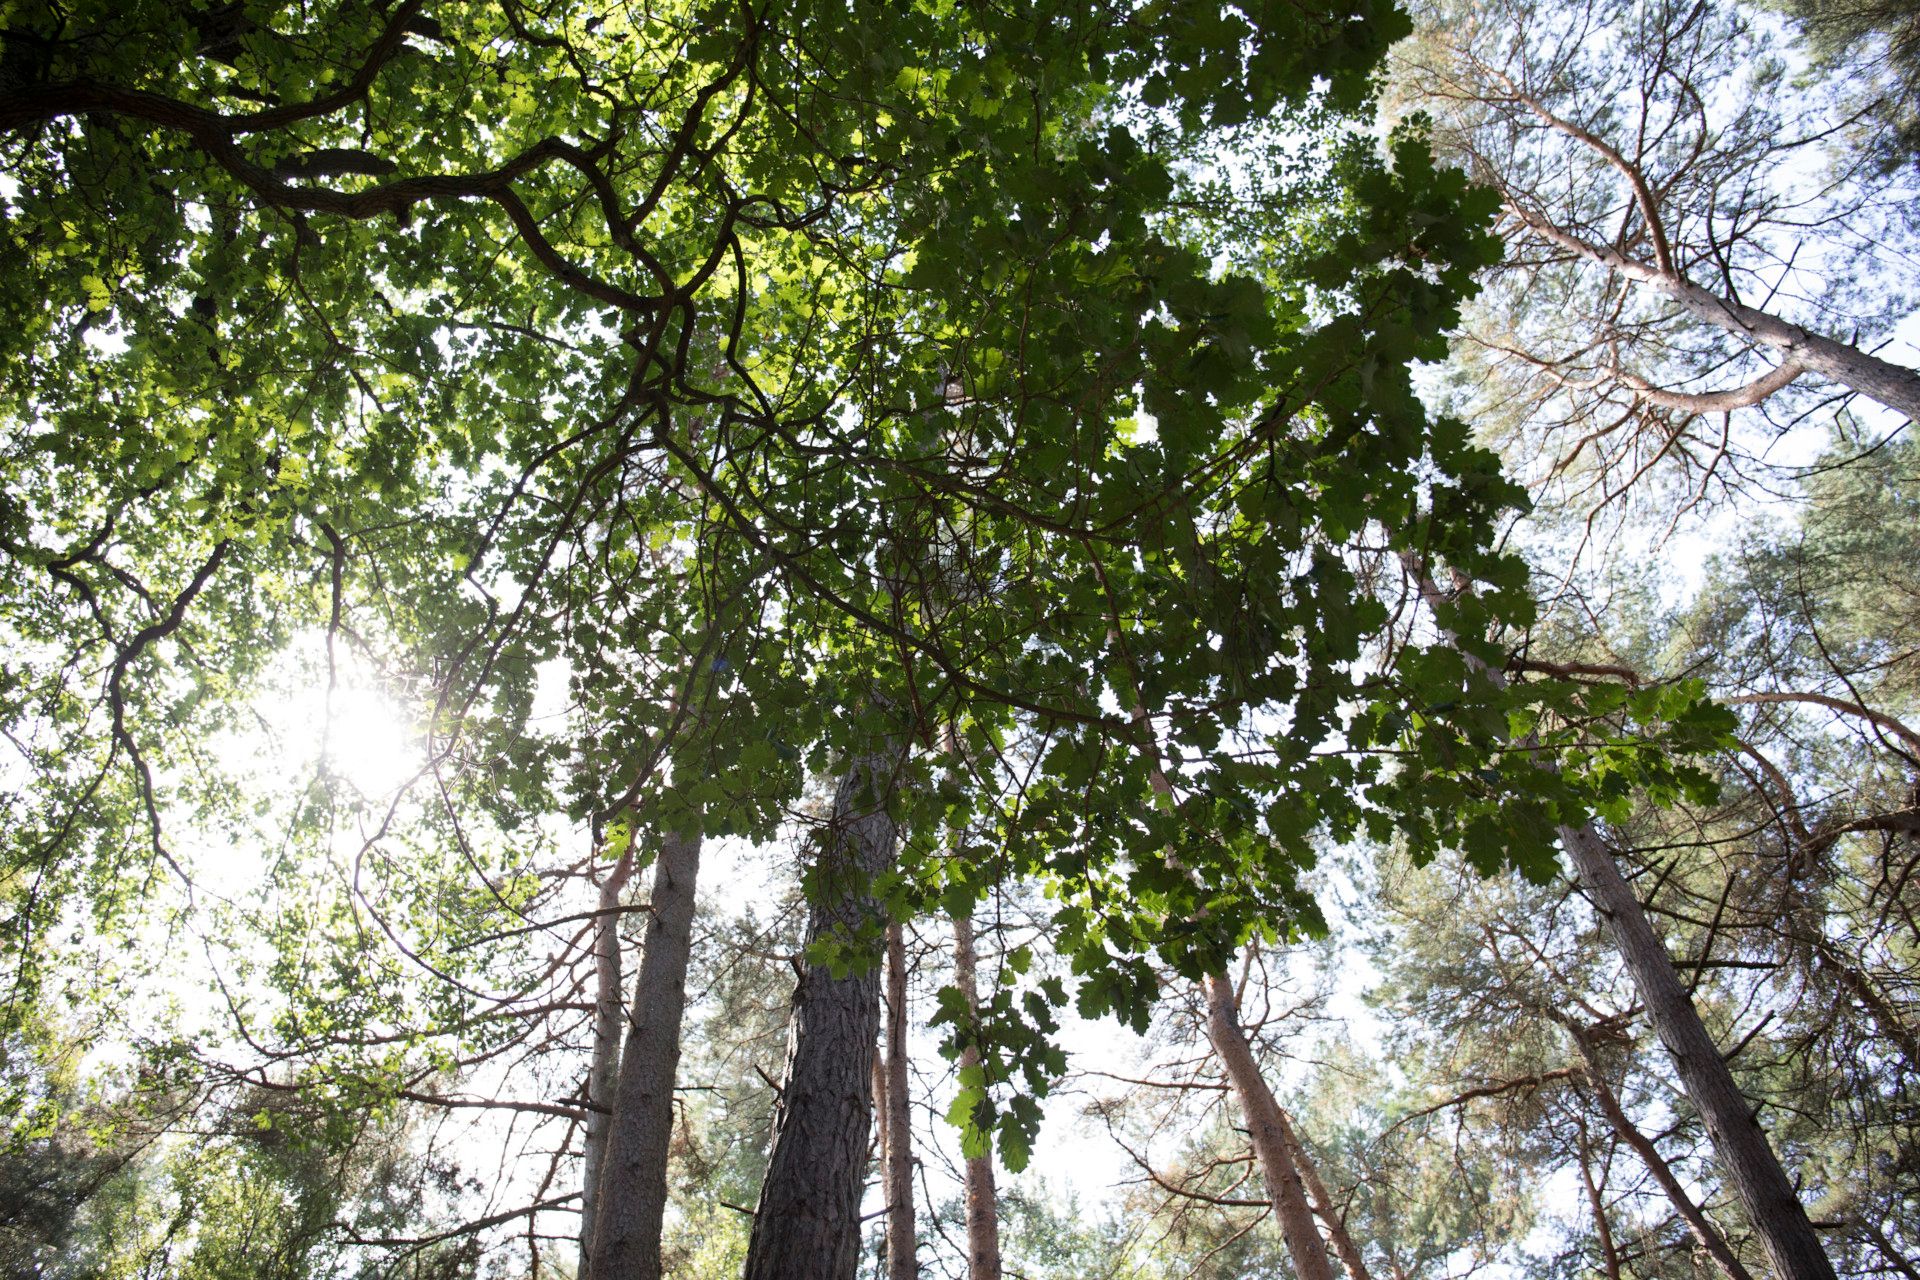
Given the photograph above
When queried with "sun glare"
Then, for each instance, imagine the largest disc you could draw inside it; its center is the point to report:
(366, 740)
(348, 727)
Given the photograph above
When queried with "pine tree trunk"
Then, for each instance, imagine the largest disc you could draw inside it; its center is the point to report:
(807, 1225)
(1893, 385)
(1772, 1207)
(604, 1070)
(902, 1264)
(983, 1205)
(633, 1178)
(1265, 1123)
(1343, 1244)
(880, 1107)
(1603, 1230)
(1749, 1163)
(1704, 1231)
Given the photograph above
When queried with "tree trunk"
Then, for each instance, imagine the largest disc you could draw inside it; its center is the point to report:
(633, 1178)
(807, 1224)
(1343, 1245)
(1609, 1255)
(1765, 1193)
(983, 1206)
(1703, 1231)
(1771, 1205)
(1268, 1127)
(605, 1067)
(1892, 385)
(880, 1107)
(901, 1261)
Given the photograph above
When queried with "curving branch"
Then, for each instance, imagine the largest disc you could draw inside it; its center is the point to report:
(1714, 401)
(1894, 386)
(217, 136)
(1842, 705)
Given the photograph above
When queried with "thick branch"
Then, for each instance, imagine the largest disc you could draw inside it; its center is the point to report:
(1892, 385)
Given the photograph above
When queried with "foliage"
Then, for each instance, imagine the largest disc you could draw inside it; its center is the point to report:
(1875, 46)
(665, 406)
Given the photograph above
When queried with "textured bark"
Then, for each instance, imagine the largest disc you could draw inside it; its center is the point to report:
(880, 1107)
(1343, 1245)
(1268, 1127)
(1703, 1231)
(633, 1177)
(807, 1225)
(902, 1264)
(983, 1205)
(604, 1070)
(1765, 1193)
(1745, 1157)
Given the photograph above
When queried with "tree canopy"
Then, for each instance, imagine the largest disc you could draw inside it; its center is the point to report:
(717, 421)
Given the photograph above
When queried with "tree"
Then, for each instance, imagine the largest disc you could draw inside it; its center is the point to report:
(1765, 1191)
(627, 1221)
(809, 385)
(808, 1214)
(982, 1198)
(1688, 239)
(1271, 1137)
(1874, 47)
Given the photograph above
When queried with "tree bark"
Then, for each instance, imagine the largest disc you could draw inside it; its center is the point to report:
(902, 1264)
(633, 1177)
(1343, 1245)
(1771, 1204)
(1765, 1193)
(983, 1205)
(807, 1224)
(1704, 1231)
(1268, 1127)
(604, 1070)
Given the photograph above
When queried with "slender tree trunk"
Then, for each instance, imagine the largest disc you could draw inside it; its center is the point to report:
(1772, 1206)
(1268, 1127)
(807, 1224)
(880, 1107)
(1343, 1245)
(1265, 1121)
(983, 1205)
(633, 1178)
(1750, 1165)
(605, 1067)
(1703, 1231)
(1609, 1255)
(902, 1263)
(882, 1135)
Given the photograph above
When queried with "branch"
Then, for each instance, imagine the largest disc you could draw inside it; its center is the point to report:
(216, 136)
(1570, 670)
(1642, 194)
(1714, 401)
(420, 1242)
(1493, 1090)
(1841, 705)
